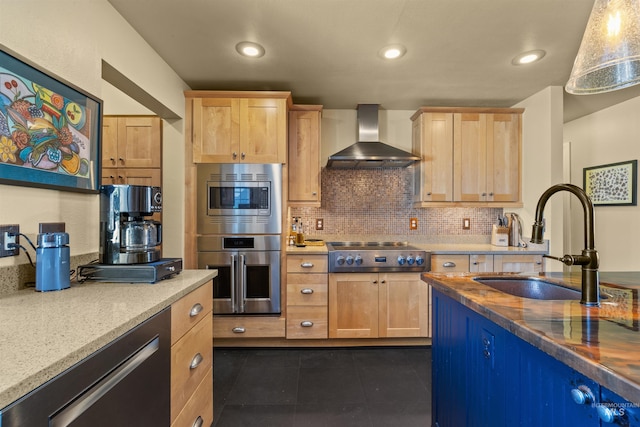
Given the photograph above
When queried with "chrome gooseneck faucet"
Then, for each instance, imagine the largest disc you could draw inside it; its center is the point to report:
(588, 260)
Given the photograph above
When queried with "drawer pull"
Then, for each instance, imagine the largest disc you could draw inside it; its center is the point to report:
(196, 361)
(238, 330)
(306, 323)
(196, 309)
(306, 291)
(198, 422)
(449, 264)
(306, 265)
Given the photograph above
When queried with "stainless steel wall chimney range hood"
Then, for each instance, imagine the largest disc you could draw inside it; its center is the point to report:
(369, 152)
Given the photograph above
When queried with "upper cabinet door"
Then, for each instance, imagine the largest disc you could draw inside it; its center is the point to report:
(470, 153)
(263, 130)
(109, 142)
(432, 138)
(216, 130)
(139, 142)
(304, 157)
(503, 156)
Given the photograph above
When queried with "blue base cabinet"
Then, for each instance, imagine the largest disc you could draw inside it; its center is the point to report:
(484, 376)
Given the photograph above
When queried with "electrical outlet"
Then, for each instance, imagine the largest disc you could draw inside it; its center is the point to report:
(466, 224)
(413, 223)
(319, 224)
(6, 240)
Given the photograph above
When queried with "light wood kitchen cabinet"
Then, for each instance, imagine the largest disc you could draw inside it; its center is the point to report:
(461, 263)
(304, 155)
(238, 127)
(307, 297)
(518, 263)
(131, 142)
(470, 156)
(378, 305)
(432, 138)
(192, 359)
(248, 327)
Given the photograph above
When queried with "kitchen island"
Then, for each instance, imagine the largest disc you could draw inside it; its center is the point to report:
(544, 353)
(44, 333)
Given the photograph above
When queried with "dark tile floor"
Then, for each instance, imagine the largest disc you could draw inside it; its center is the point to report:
(333, 387)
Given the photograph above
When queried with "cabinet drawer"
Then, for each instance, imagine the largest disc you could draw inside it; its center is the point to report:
(199, 405)
(190, 309)
(307, 322)
(307, 289)
(248, 327)
(452, 263)
(307, 263)
(191, 359)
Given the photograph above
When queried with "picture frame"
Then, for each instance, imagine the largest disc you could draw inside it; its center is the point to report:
(613, 184)
(50, 130)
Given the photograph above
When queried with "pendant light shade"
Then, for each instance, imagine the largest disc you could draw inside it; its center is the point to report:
(609, 55)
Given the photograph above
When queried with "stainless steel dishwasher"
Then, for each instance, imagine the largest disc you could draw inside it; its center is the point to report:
(125, 383)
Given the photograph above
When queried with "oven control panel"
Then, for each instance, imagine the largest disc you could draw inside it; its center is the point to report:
(379, 260)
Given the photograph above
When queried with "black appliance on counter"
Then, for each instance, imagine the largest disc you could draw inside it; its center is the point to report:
(130, 242)
(374, 257)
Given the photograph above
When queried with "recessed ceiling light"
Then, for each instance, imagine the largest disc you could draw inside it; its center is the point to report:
(250, 49)
(528, 57)
(393, 51)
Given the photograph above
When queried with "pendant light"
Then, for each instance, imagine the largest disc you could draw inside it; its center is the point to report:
(609, 55)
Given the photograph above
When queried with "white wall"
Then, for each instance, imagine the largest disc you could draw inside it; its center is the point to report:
(78, 36)
(608, 136)
(542, 164)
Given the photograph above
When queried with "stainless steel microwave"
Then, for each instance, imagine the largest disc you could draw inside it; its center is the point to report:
(239, 198)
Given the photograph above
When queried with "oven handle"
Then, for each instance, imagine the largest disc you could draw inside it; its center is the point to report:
(233, 282)
(242, 284)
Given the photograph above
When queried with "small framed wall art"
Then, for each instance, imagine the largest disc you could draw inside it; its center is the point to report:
(50, 130)
(614, 184)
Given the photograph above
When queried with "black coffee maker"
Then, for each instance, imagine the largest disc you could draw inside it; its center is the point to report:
(127, 235)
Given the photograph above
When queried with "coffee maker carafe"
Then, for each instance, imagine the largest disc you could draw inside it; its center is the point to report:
(126, 235)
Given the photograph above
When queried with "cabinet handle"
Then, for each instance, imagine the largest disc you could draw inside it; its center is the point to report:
(196, 361)
(306, 323)
(235, 155)
(306, 291)
(242, 156)
(383, 281)
(484, 194)
(121, 160)
(195, 310)
(491, 194)
(582, 395)
(306, 265)
(375, 282)
(238, 330)
(449, 264)
(606, 414)
(429, 193)
(198, 422)
(314, 193)
(113, 161)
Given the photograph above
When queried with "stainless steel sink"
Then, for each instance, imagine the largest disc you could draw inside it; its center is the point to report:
(530, 287)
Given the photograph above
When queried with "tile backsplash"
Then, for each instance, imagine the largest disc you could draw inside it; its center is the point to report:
(379, 202)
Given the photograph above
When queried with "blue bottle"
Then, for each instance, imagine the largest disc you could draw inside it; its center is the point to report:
(52, 262)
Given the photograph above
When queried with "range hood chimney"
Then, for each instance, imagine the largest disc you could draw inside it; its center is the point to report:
(369, 152)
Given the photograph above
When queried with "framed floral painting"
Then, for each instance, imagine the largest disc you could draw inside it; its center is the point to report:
(613, 184)
(49, 130)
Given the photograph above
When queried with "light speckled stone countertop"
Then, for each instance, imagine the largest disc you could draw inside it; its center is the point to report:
(599, 342)
(444, 249)
(43, 334)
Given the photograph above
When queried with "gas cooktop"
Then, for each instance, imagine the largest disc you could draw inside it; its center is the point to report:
(363, 257)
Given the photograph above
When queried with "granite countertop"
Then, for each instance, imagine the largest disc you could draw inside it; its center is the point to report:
(601, 342)
(44, 333)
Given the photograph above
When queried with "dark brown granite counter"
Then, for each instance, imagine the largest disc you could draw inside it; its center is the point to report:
(602, 343)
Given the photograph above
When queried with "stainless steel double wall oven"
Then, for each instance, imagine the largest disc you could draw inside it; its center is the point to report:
(239, 227)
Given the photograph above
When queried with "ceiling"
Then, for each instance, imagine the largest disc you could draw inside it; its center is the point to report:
(325, 52)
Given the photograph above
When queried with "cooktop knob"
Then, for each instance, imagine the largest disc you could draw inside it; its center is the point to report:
(401, 260)
(340, 260)
(349, 260)
(419, 260)
(358, 260)
(410, 260)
